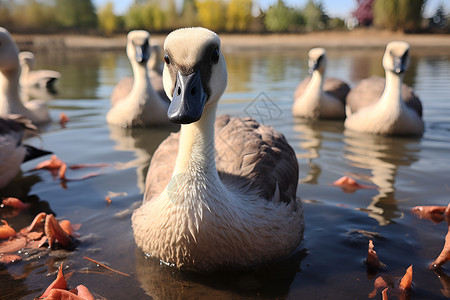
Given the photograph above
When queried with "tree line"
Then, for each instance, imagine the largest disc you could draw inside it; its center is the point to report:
(220, 15)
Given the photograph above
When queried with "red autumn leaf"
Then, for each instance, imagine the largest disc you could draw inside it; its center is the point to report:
(83, 166)
(59, 294)
(55, 232)
(384, 294)
(444, 256)
(35, 235)
(108, 200)
(9, 258)
(84, 293)
(372, 258)
(13, 245)
(58, 283)
(62, 171)
(15, 203)
(54, 163)
(37, 222)
(432, 213)
(405, 283)
(67, 226)
(349, 185)
(6, 231)
(63, 119)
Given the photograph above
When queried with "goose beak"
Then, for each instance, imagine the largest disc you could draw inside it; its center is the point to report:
(399, 65)
(142, 53)
(188, 99)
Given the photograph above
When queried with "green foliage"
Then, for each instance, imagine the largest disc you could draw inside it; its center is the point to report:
(315, 17)
(189, 14)
(239, 15)
(211, 14)
(145, 16)
(405, 15)
(279, 17)
(107, 20)
(78, 14)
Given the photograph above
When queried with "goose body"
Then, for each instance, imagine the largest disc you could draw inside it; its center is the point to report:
(134, 101)
(220, 193)
(12, 152)
(318, 97)
(10, 101)
(386, 106)
(44, 79)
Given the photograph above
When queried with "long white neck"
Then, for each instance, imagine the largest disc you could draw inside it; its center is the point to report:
(9, 89)
(392, 94)
(314, 87)
(196, 154)
(25, 70)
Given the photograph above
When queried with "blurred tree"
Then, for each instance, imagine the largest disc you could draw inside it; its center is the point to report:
(145, 15)
(364, 12)
(6, 8)
(405, 15)
(315, 16)
(239, 15)
(189, 14)
(79, 14)
(33, 15)
(107, 20)
(172, 16)
(211, 13)
(279, 17)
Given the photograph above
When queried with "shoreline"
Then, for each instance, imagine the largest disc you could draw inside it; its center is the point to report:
(357, 39)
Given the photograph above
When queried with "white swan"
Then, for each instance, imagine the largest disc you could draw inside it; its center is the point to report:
(220, 193)
(10, 101)
(318, 97)
(386, 107)
(12, 152)
(44, 79)
(134, 101)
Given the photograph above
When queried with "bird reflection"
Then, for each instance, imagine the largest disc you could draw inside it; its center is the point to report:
(143, 142)
(312, 136)
(382, 156)
(163, 282)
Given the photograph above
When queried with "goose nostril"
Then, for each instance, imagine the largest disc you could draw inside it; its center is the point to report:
(193, 91)
(179, 91)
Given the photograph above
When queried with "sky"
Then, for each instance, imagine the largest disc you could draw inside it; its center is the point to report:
(334, 8)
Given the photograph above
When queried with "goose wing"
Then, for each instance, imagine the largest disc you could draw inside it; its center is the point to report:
(248, 156)
(368, 91)
(336, 87)
(121, 90)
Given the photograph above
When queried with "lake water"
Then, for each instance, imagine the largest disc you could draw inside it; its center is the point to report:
(330, 260)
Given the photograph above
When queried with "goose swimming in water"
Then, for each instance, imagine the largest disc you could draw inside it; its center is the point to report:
(134, 101)
(386, 106)
(318, 97)
(12, 152)
(10, 101)
(220, 194)
(44, 79)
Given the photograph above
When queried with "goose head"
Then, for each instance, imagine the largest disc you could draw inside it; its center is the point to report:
(396, 57)
(8, 52)
(138, 46)
(195, 73)
(26, 58)
(317, 60)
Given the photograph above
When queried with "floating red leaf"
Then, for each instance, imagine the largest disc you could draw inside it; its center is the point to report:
(15, 203)
(6, 231)
(349, 185)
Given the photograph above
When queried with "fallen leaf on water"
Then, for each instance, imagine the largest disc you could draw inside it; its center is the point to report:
(38, 221)
(6, 231)
(84, 166)
(68, 227)
(444, 256)
(15, 203)
(432, 213)
(58, 283)
(13, 245)
(349, 185)
(9, 258)
(393, 286)
(63, 119)
(372, 258)
(54, 232)
(53, 165)
(108, 200)
(406, 281)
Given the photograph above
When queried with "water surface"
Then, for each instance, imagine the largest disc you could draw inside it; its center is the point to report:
(330, 261)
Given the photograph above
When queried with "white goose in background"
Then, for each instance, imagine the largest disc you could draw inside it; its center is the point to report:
(44, 79)
(318, 97)
(386, 107)
(10, 100)
(12, 152)
(138, 105)
(220, 193)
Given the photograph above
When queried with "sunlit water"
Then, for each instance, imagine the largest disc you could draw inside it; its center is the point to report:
(330, 260)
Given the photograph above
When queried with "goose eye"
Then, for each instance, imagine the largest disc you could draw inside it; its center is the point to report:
(167, 59)
(215, 56)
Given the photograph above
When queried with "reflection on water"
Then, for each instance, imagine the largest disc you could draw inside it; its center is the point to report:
(382, 156)
(407, 172)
